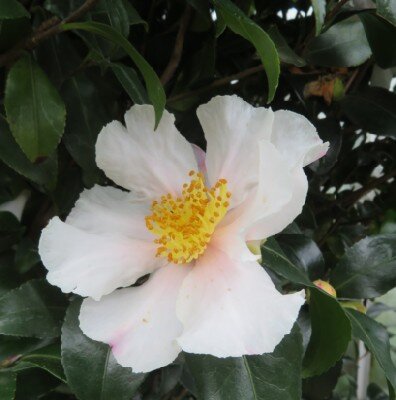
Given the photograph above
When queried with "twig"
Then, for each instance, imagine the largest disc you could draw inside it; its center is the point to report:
(217, 83)
(48, 28)
(178, 48)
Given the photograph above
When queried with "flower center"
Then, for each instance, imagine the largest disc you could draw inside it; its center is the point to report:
(184, 225)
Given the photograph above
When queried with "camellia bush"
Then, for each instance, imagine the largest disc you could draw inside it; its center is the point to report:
(197, 199)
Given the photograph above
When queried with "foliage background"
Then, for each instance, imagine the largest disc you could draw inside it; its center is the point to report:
(70, 66)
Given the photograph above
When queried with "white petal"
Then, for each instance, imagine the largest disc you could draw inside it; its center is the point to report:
(229, 309)
(92, 264)
(139, 323)
(152, 163)
(279, 220)
(110, 210)
(17, 205)
(233, 129)
(296, 138)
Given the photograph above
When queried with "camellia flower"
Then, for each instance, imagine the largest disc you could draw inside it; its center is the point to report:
(186, 219)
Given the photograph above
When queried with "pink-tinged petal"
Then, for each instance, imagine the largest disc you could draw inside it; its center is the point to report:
(110, 210)
(275, 222)
(230, 308)
(200, 156)
(232, 130)
(139, 323)
(93, 264)
(296, 139)
(151, 163)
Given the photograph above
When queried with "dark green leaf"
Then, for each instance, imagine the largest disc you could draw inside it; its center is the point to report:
(376, 338)
(373, 109)
(10, 230)
(44, 173)
(8, 276)
(387, 9)
(379, 34)
(12, 9)
(118, 16)
(32, 383)
(7, 385)
(26, 255)
(154, 87)
(343, 45)
(34, 309)
(319, 7)
(331, 333)
(286, 54)
(275, 376)
(368, 268)
(105, 380)
(129, 80)
(133, 16)
(35, 111)
(274, 258)
(238, 22)
(47, 358)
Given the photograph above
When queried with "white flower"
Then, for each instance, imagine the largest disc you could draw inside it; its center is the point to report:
(185, 218)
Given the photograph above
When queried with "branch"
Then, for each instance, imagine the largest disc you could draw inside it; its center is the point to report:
(178, 48)
(47, 29)
(217, 83)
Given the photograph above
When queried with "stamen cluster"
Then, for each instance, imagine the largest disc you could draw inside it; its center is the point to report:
(184, 225)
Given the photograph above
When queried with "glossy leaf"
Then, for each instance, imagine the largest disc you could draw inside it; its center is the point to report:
(44, 173)
(154, 87)
(12, 9)
(35, 111)
(319, 8)
(106, 379)
(387, 9)
(372, 109)
(331, 333)
(118, 16)
(35, 309)
(274, 258)
(343, 45)
(274, 376)
(376, 338)
(368, 268)
(238, 22)
(7, 385)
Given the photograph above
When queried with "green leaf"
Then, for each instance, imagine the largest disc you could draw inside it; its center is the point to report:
(35, 309)
(343, 45)
(154, 87)
(10, 230)
(91, 370)
(275, 376)
(368, 268)
(118, 16)
(242, 25)
(387, 9)
(133, 16)
(87, 116)
(376, 339)
(9, 278)
(274, 258)
(129, 80)
(372, 109)
(379, 34)
(11, 154)
(35, 111)
(319, 8)
(286, 54)
(7, 385)
(331, 333)
(12, 9)
(47, 358)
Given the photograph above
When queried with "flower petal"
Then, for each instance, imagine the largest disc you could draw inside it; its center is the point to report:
(275, 222)
(110, 210)
(233, 129)
(139, 323)
(91, 264)
(230, 309)
(152, 163)
(296, 138)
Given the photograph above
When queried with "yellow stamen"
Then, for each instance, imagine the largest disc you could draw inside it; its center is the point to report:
(184, 225)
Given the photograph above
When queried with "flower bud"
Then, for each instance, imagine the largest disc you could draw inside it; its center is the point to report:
(326, 287)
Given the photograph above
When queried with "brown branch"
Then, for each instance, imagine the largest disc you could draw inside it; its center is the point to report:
(217, 83)
(178, 48)
(47, 29)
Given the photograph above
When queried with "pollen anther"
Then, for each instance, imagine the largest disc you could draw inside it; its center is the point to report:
(184, 225)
